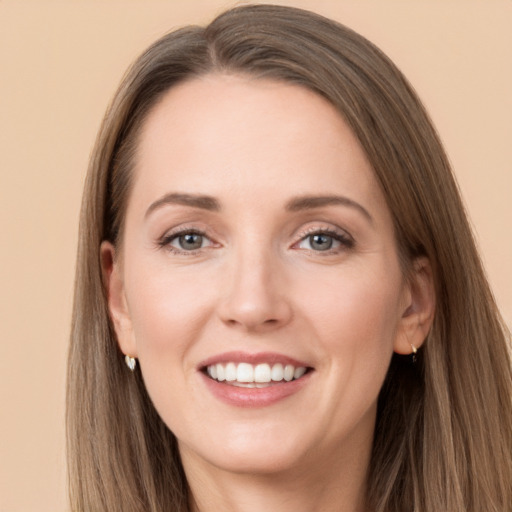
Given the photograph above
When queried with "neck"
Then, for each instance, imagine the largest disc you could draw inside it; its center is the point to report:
(334, 485)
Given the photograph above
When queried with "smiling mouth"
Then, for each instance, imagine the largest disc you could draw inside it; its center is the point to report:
(254, 376)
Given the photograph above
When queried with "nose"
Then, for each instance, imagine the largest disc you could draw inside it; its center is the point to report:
(256, 296)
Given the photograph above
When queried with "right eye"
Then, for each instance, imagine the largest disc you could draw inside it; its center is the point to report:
(320, 242)
(186, 241)
(189, 241)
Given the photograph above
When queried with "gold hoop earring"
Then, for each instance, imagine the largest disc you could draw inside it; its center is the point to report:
(131, 362)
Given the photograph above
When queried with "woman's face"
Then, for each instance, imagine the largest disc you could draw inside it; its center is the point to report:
(258, 248)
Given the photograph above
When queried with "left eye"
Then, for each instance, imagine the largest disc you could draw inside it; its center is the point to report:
(319, 242)
(323, 241)
(189, 241)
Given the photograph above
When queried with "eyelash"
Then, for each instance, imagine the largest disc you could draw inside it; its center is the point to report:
(168, 238)
(344, 239)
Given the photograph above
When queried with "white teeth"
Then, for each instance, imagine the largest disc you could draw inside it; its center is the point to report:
(248, 375)
(249, 384)
(221, 373)
(277, 372)
(289, 370)
(299, 372)
(245, 373)
(231, 372)
(262, 373)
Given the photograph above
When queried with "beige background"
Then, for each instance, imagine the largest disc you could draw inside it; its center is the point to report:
(60, 63)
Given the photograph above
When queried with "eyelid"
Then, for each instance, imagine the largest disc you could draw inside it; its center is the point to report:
(345, 239)
(342, 236)
(169, 236)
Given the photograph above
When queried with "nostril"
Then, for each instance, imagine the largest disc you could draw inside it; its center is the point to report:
(253, 323)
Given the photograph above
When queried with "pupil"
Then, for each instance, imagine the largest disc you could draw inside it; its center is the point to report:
(191, 241)
(321, 242)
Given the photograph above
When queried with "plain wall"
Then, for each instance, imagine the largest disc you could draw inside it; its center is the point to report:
(60, 63)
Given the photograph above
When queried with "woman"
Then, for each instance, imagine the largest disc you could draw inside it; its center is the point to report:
(272, 240)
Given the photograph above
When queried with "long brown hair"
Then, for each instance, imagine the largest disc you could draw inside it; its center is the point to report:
(443, 437)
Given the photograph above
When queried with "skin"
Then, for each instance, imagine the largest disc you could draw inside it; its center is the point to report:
(259, 284)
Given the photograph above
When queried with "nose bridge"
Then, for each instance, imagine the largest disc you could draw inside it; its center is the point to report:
(254, 269)
(255, 298)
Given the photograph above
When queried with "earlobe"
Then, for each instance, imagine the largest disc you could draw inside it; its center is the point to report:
(117, 304)
(419, 309)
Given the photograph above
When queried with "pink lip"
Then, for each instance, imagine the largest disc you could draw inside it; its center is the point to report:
(258, 358)
(254, 397)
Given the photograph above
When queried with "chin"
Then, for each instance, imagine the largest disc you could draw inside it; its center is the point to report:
(260, 451)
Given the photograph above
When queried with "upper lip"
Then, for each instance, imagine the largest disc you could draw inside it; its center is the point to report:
(256, 358)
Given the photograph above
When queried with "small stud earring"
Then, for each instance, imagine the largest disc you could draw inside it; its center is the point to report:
(131, 362)
(414, 352)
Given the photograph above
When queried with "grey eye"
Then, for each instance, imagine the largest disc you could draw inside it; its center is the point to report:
(188, 241)
(320, 242)
(323, 241)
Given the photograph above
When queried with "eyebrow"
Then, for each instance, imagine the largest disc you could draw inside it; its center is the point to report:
(195, 201)
(311, 202)
(293, 205)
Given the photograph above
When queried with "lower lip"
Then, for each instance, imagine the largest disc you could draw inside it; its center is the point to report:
(254, 397)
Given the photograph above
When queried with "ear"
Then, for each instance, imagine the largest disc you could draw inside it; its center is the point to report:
(111, 267)
(418, 308)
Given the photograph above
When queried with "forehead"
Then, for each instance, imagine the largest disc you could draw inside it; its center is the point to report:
(225, 135)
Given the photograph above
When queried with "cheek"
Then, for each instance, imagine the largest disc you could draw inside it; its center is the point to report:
(168, 309)
(169, 313)
(355, 318)
(355, 313)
